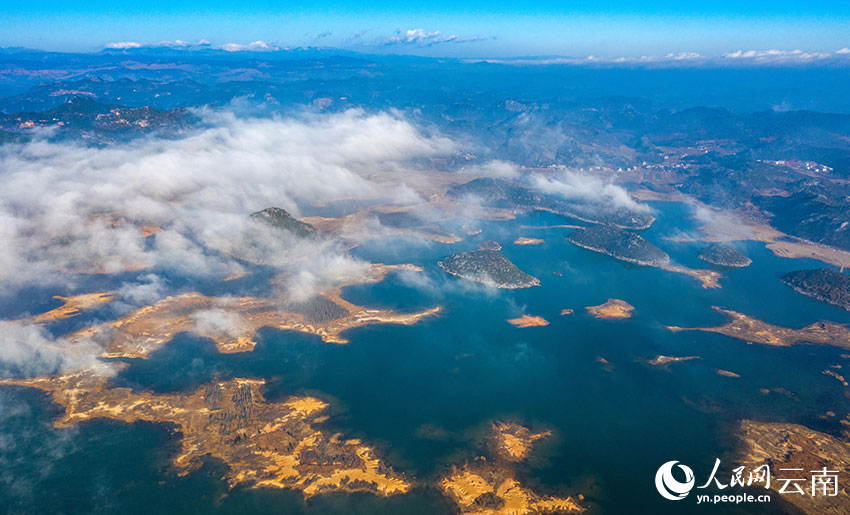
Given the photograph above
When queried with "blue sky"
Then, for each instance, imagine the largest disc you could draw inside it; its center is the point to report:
(451, 28)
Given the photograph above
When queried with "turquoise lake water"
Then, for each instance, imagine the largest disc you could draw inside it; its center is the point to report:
(425, 394)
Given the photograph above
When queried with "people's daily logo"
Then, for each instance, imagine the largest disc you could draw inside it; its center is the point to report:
(668, 486)
(790, 481)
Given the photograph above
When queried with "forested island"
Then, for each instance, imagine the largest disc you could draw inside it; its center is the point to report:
(724, 254)
(281, 219)
(824, 284)
(620, 244)
(488, 267)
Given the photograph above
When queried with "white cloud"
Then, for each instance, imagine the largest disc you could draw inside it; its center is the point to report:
(126, 45)
(422, 38)
(30, 350)
(682, 56)
(123, 45)
(688, 58)
(412, 36)
(217, 322)
(59, 200)
(255, 46)
(67, 208)
(776, 55)
(575, 186)
(495, 168)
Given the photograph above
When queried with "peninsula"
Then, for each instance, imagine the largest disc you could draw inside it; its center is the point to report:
(788, 447)
(327, 315)
(750, 329)
(489, 485)
(262, 443)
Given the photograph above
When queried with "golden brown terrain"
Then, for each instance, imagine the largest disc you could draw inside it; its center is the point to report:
(791, 446)
(726, 373)
(146, 329)
(527, 241)
(838, 377)
(263, 444)
(528, 321)
(613, 308)
(708, 278)
(74, 306)
(750, 329)
(488, 486)
(513, 442)
(664, 360)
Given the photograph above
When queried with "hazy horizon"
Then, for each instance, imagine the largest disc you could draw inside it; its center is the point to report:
(607, 30)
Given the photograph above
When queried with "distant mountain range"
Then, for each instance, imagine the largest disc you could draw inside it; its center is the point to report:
(772, 142)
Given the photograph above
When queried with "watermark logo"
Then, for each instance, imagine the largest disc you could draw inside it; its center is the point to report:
(668, 486)
(793, 481)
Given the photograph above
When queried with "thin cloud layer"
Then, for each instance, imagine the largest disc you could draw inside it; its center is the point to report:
(29, 350)
(127, 45)
(254, 46)
(779, 55)
(422, 38)
(688, 59)
(66, 208)
(575, 186)
(495, 168)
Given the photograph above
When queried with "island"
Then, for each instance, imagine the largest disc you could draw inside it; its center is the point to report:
(620, 244)
(489, 485)
(488, 267)
(664, 360)
(612, 308)
(824, 284)
(633, 248)
(528, 321)
(838, 377)
(522, 240)
(281, 219)
(724, 254)
(489, 245)
(262, 443)
(726, 373)
(750, 329)
(785, 447)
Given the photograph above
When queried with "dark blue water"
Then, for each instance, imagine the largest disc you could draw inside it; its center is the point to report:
(425, 394)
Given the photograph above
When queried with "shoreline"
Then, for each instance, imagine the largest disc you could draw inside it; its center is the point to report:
(817, 297)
